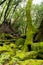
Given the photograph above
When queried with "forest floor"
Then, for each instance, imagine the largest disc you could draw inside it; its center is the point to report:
(11, 51)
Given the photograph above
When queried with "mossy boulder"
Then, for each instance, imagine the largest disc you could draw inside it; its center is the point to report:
(37, 47)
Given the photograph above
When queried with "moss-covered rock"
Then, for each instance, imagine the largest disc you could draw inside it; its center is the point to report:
(37, 47)
(33, 62)
(26, 55)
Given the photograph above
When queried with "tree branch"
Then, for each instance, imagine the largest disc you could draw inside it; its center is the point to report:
(6, 11)
(2, 2)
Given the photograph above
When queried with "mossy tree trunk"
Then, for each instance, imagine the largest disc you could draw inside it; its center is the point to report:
(31, 30)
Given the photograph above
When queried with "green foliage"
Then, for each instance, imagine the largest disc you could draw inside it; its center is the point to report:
(19, 19)
(37, 14)
(8, 8)
(14, 51)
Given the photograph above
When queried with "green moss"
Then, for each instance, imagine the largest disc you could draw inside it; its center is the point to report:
(20, 43)
(37, 47)
(5, 48)
(26, 55)
(29, 62)
(33, 62)
(6, 37)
